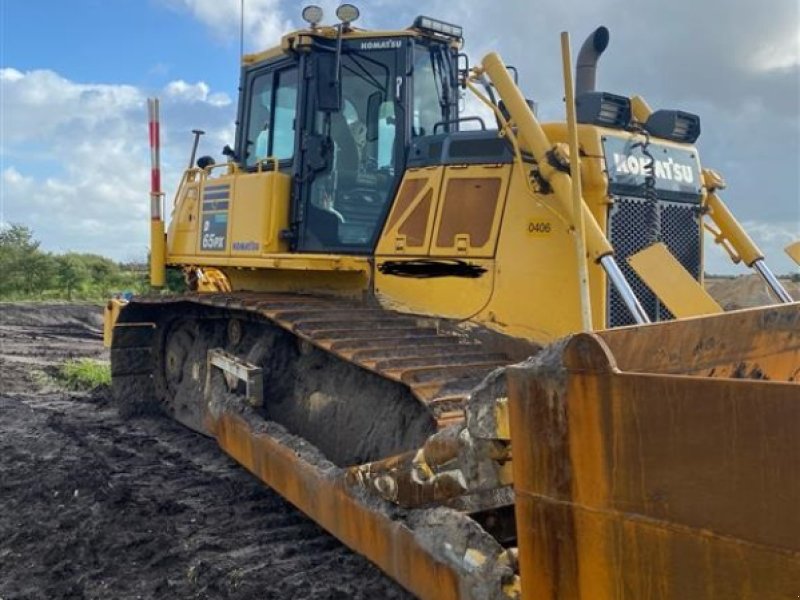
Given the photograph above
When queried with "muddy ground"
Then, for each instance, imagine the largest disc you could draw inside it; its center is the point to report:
(94, 506)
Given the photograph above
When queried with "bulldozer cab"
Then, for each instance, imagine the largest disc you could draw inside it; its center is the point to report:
(337, 115)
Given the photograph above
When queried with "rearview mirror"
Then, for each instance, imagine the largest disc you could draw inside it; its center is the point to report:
(329, 92)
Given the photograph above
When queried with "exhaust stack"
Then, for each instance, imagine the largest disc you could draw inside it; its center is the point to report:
(586, 66)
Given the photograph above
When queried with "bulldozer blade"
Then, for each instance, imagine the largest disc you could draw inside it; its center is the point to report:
(661, 461)
(437, 553)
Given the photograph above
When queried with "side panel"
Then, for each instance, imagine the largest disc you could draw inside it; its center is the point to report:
(499, 255)
(259, 211)
(536, 285)
(182, 234)
(236, 215)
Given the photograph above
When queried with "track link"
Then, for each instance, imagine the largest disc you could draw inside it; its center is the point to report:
(436, 362)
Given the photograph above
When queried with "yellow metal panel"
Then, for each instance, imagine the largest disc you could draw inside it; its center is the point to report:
(351, 284)
(183, 223)
(536, 288)
(793, 250)
(482, 181)
(158, 253)
(449, 297)
(110, 316)
(259, 210)
(392, 241)
(249, 59)
(673, 284)
(285, 261)
(388, 543)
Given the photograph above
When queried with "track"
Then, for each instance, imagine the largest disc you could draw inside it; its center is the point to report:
(359, 382)
(94, 505)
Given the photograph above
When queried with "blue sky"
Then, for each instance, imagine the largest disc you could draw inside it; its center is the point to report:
(139, 42)
(75, 76)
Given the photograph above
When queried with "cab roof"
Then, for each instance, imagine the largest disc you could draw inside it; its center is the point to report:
(303, 38)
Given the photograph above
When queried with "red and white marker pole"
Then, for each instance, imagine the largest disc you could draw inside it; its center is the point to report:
(158, 248)
(155, 159)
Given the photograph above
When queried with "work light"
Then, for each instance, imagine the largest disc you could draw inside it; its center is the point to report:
(347, 13)
(440, 27)
(312, 15)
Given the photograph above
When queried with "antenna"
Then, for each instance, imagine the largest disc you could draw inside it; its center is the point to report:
(241, 32)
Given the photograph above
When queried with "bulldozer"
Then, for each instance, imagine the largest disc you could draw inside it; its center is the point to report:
(479, 354)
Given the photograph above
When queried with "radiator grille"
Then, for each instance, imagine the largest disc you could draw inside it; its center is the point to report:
(628, 227)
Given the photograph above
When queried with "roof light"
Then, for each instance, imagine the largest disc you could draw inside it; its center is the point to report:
(674, 125)
(312, 15)
(347, 13)
(440, 27)
(604, 109)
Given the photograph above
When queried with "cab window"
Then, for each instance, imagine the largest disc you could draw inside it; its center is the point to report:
(272, 116)
(428, 109)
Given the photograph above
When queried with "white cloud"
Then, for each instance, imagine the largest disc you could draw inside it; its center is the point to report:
(263, 24)
(86, 188)
(195, 92)
(13, 177)
(779, 52)
(9, 74)
(39, 105)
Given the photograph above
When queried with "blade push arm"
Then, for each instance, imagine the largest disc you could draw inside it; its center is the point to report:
(732, 233)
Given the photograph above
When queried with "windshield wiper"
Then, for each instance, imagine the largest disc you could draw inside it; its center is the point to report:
(442, 88)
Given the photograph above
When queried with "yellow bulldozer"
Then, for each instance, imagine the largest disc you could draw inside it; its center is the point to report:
(479, 354)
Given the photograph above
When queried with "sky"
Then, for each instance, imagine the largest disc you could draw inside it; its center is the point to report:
(75, 76)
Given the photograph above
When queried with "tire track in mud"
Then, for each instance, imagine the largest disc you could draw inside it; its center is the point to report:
(94, 506)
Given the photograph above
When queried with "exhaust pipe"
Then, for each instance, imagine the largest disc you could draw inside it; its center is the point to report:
(586, 66)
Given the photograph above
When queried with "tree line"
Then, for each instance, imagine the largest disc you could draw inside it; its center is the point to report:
(29, 273)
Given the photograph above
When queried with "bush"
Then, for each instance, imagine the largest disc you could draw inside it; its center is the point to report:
(28, 273)
(84, 374)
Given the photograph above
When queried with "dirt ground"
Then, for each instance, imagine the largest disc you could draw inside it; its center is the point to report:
(747, 291)
(94, 506)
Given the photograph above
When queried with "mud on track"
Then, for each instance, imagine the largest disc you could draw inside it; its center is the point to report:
(93, 506)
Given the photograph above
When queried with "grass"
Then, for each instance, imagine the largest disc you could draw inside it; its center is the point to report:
(84, 374)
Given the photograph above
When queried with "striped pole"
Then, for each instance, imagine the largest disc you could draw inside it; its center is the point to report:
(155, 159)
(158, 246)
